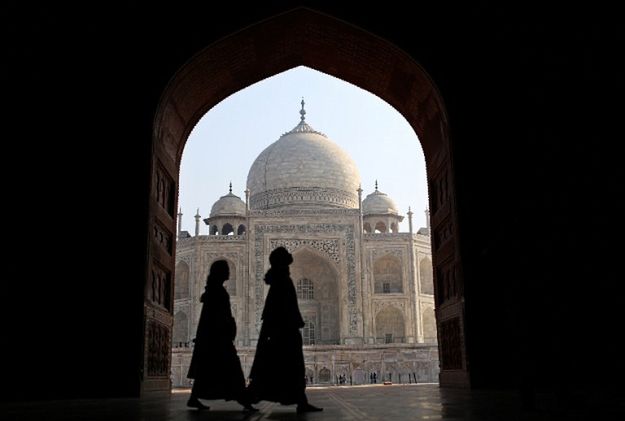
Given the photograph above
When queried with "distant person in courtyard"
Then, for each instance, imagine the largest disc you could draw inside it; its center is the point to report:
(215, 366)
(278, 372)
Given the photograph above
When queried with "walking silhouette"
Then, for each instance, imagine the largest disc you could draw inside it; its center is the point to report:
(215, 365)
(278, 372)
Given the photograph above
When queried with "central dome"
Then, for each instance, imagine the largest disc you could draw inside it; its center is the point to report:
(303, 168)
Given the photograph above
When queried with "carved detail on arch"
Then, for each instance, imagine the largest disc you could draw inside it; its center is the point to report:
(158, 349)
(329, 247)
(164, 191)
(447, 286)
(439, 190)
(163, 238)
(451, 341)
(159, 286)
(442, 232)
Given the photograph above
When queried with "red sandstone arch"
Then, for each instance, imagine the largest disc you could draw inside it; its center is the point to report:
(301, 37)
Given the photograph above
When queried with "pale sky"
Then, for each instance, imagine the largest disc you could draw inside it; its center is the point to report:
(229, 137)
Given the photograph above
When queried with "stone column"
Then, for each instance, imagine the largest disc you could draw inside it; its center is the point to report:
(197, 222)
(363, 287)
(179, 224)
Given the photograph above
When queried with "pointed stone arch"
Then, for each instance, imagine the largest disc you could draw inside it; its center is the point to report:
(323, 310)
(387, 275)
(426, 276)
(181, 289)
(296, 38)
(429, 324)
(227, 229)
(380, 227)
(390, 326)
(181, 329)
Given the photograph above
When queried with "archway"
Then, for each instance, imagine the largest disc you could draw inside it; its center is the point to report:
(389, 325)
(387, 275)
(300, 37)
(317, 286)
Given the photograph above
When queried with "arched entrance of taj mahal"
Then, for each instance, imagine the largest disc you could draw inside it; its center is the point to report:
(303, 37)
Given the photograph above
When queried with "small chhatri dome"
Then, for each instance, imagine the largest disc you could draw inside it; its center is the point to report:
(378, 203)
(228, 205)
(303, 168)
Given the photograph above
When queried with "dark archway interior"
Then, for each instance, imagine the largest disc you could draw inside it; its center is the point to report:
(534, 104)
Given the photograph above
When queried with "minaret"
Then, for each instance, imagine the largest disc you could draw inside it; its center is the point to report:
(247, 199)
(360, 198)
(197, 222)
(427, 219)
(179, 224)
(413, 286)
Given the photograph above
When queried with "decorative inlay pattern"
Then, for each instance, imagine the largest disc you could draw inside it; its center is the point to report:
(303, 196)
(159, 349)
(446, 283)
(451, 344)
(164, 190)
(159, 315)
(392, 236)
(303, 212)
(206, 238)
(440, 190)
(159, 290)
(328, 247)
(163, 238)
(382, 304)
(397, 252)
(442, 233)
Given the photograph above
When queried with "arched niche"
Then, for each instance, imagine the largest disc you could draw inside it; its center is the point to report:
(321, 278)
(389, 325)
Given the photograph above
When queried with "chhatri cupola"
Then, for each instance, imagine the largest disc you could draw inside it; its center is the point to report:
(227, 216)
(379, 213)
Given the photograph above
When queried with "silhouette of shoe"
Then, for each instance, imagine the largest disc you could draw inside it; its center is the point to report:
(308, 408)
(249, 408)
(195, 403)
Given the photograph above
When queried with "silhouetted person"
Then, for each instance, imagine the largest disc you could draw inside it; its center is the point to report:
(278, 370)
(215, 365)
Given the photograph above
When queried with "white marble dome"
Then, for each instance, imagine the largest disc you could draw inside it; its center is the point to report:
(228, 205)
(303, 168)
(378, 203)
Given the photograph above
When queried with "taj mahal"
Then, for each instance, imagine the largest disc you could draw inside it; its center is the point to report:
(365, 290)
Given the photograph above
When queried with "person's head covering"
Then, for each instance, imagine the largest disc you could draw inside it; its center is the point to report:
(280, 257)
(219, 272)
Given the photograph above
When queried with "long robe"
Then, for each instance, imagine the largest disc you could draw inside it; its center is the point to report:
(278, 371)
(215, 365)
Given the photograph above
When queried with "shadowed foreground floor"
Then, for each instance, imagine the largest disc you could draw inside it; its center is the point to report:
(375, 402)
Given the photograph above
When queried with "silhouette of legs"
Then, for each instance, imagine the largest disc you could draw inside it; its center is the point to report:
(303, 406)
(194, 402)
(246, 401)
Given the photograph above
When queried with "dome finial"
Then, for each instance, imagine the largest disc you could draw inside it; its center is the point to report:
(302, 112)
(231, 187)
(376, 185)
